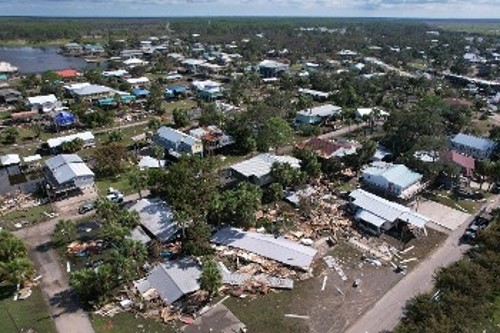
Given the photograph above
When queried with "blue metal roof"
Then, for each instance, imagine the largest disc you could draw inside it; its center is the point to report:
(140, 92)
(472, 141)
(397, 174)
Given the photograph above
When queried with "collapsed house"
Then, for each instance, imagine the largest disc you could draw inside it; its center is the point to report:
(279, 249)
(170, 280)
(156, 220)
(257, 170)
(376, 215)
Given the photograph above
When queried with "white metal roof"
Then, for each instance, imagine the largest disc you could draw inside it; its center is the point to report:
(138, 80)
(65, 168)
(148, 162)
(42, 99)
(56, 142)
(32, 158)
(10, 159)
(92, 90)
(280, 249)
(173, 135)
(157, 217)
(321, 111)
(260, 165)
(385, 209)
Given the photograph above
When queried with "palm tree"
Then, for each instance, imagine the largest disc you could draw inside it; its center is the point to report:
(138, 179)
(211, 279)
(65, 231)
(17, 270)
(158, 153)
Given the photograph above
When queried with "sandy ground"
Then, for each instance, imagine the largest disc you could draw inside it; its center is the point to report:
(387, 312)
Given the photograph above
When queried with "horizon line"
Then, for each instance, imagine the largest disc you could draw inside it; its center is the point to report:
(249, 16)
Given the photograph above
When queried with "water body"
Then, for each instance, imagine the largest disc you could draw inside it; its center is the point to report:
(38, 60)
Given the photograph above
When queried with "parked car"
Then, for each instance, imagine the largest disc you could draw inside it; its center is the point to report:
(114, 195)
(86, 208)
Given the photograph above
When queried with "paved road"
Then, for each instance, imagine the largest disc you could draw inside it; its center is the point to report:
(340, 132)
(387, 312)
(64, 305)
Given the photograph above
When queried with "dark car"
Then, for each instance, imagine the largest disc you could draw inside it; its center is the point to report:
(86, 208)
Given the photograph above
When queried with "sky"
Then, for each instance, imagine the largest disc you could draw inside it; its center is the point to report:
(333, 8)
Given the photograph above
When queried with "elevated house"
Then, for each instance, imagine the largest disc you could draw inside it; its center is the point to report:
(10, 96)
(315, 94)
(376, 215)
(208, 90)
(394, 180)
(317, 115)
(465, 164)
(257, 170)
(93, 49)
(67, 173)
(477, 147)
(212, 137)
(272, 68)
(45, 103)
(175, 142)
(73, 49)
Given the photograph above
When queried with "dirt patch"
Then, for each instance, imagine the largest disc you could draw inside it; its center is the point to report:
(69, 206)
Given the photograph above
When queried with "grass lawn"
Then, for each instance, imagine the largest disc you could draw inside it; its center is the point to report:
(266, 313)
(31, 215)
(126, 322)
(121, 184)
(19, 316)
(445, 198)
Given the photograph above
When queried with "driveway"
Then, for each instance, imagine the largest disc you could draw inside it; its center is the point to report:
(388, 311)
(442, 215)
(64, 305)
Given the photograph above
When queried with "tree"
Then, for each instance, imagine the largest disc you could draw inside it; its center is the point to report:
(155, 99)
(273, 193)
(87, 284)
(331, 167)
(210, 115)
(10, 135)
(37, 129)
(15, 266)
(309, 163)
(237, 206)
(110, 160)
(69, 147)
(286, 175)
(361, 157)
(138, 180)
(197, 240)
(211, 279)
(115, 136)
(239, 128)
(190, 185)
(64, 232)
(181, 118)
(275, 133)
(154, 124)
